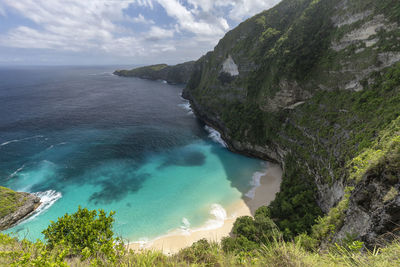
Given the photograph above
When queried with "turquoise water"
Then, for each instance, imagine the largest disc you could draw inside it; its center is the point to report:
(84, 137)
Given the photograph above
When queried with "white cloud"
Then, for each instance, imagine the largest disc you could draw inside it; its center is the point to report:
(103, 27)
(157, 33)
(239, 9)
(141, 19)
(73, 25)
(246, 8)
(187, 21)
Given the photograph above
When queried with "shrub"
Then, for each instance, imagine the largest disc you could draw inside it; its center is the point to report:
(86, 233)
(201, 252)
(238, 244)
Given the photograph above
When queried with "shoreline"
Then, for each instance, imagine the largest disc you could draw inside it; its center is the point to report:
(264, 193)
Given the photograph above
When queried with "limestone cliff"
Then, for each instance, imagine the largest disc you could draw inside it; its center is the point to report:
(315, 85)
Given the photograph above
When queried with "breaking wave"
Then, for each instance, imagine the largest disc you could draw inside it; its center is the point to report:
(215, 135)
(47, 198)
(255, 182)
(186, 106)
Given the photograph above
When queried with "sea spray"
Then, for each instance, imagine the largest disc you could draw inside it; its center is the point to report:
(215, 135)
(186, 106)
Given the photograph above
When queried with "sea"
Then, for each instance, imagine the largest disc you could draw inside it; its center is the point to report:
(81, 136)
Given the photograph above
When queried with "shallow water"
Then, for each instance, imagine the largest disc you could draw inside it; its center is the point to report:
(82, 136)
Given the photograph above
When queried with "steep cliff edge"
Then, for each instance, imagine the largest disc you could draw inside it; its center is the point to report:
(15, 206)
(177, 74)
(314, 85)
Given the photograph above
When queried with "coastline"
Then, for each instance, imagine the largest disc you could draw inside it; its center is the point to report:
(264, 193)
(269, 185)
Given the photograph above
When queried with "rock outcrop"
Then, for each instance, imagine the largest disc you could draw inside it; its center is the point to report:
(22, 206)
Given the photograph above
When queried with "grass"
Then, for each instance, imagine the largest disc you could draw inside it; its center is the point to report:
(9, 201)
(277, 253)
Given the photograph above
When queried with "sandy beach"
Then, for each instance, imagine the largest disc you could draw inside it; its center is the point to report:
(175, 241)
(269, 185)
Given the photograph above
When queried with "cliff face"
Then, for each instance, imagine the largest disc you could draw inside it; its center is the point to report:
(15, 206)
(315, 85)
(177, 74)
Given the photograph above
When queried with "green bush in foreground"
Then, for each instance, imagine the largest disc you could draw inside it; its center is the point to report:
(85, 233)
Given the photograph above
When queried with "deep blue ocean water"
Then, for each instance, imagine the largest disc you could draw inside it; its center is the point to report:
(82, 136)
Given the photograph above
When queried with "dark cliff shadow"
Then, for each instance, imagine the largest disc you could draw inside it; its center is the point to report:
(242, 179)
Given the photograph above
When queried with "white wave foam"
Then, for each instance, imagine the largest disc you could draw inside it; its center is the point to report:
(186, 106)
(218, 214)
(52, 146)
(186, 223)
(217, 211)
(215, 135)
(218, 221)
(47, 199)
(16, 172)
(19, 140)
(255, 182)
(142, 242)
(9, 142)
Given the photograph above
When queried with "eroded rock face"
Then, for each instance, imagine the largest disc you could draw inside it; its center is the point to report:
(363, 33)
(31, 203)
(289, 96)
(374, 208)
(230, 67)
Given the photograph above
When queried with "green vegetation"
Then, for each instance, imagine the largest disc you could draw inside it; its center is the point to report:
(295, 207)
(249, 233)
(85, 233)
(10, 201)
(326, 226)
(143, 70)
(391, 194)
(344, 132)
(83, 239)
(177, 74)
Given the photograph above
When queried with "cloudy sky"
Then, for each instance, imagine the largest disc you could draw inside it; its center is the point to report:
(116, 31)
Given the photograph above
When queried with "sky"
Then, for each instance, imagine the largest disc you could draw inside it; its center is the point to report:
(105, 32)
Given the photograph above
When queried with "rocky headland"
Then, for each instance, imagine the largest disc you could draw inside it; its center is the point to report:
(16, 206)
(176, 74)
